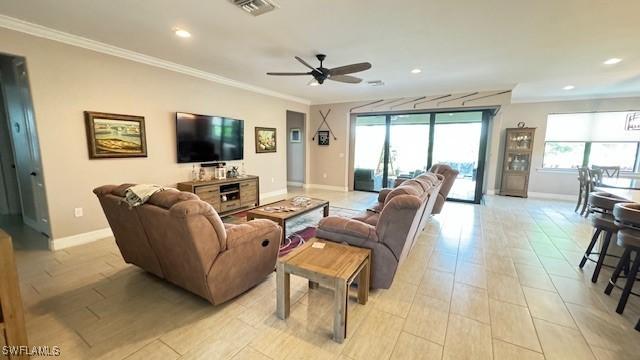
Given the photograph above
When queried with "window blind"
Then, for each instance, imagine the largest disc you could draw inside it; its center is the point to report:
(596, 126)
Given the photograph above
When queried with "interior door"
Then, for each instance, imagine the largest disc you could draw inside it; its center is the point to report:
(26, 150)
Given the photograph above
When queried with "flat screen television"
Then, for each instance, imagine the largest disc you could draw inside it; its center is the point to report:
(204, 138)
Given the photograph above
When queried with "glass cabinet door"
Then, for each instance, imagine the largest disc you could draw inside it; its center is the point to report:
(520, 140)
(517, 162)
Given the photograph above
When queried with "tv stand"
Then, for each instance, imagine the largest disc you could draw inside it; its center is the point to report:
(227, 196)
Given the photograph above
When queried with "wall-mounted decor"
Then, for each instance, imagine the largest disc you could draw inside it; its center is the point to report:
(115, 135)
(265, 140)
(633, 121)
(323, 135)
(295, 136)
(323, 138)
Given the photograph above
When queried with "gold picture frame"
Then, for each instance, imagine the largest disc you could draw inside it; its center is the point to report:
(115, 135)
(266, 140)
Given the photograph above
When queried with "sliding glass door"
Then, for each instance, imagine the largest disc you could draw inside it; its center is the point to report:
(456, 142)
(392, 146)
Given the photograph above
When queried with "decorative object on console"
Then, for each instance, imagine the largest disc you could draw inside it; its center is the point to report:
(115, 135)
(323, 135)
(295, 136)
(220, 171)
(265, 140)
(233, 173)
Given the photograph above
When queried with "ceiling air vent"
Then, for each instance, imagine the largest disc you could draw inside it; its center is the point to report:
(376, 83)
(255, 7)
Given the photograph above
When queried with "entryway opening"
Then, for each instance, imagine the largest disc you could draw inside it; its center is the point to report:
(23, 205)
(296, 152)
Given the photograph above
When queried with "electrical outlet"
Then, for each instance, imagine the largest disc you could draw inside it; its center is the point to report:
(273, 180)
(78, 212)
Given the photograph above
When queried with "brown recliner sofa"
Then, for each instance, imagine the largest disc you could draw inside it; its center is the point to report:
(181, 239)
(450, 174)
(390, 233)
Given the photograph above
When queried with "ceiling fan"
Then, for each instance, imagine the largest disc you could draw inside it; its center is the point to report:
(320, 74)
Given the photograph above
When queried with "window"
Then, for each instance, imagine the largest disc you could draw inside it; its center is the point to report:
(563, 155)
(582, 139)
(623, 154)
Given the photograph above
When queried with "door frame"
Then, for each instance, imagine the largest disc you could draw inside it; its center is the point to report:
(487, 114)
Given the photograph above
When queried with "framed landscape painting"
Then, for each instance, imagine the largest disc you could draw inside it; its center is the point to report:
(115, 135)
(265, 140)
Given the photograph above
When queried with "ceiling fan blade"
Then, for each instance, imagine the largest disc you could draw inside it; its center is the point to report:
(346, 79)
(307, 65)
(350, 69)
(287, 73)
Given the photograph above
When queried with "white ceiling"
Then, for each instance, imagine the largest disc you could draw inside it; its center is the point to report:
(536, 47)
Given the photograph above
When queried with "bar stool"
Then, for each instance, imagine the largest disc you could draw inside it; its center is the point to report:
(601, 205)
(627, 217)
(583, 190)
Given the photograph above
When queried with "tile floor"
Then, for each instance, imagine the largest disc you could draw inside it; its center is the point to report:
(493, 281)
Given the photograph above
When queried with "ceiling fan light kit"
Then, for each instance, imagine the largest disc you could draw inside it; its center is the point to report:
(320, 74)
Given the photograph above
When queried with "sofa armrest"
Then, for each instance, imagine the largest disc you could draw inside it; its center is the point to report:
(382, 195)
(254, 230)
(341, 229)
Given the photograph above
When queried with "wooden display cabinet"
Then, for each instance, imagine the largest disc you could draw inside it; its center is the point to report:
(516, 166)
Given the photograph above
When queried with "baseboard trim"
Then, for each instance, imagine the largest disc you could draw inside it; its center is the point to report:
(79, 239)
(326, 187)
(552, 196)
(295, 183)
(491, 192)
(273, 194)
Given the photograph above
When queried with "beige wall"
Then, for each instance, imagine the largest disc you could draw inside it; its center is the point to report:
(334, 160)
(533, 114)
(66, 80)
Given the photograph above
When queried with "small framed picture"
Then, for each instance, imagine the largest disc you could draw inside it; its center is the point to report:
(265, 140)
(114, 135)
(323, 138)
(295, 136)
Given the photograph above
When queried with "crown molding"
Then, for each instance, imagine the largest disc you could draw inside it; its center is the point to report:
(85, 43)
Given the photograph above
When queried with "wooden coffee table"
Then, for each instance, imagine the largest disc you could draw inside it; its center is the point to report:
(335, 266)
(281, 217)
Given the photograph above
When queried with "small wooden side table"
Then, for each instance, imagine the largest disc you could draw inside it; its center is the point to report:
(335, 266)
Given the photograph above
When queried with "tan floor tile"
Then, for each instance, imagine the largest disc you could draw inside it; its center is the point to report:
(534, 277)
(562, 343)
(505, 351)
(560, 267)
(501, 265)
(249, 353)
(428, 319)
(505, 288)
(442, 261)
(604, 354)
(375, 337)
(436, 284)
(467, 339)
(471, 274)
(397, 300)
(547, 305)
(156, 350)
(513, 324)
(606, 330)
(224, 344)
(471, 302)
(412, 347)
(576, 292)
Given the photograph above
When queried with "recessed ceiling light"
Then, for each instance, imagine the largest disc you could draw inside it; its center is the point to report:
(568, 87)
(612, 61)
(416, 71)
(181, 33)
